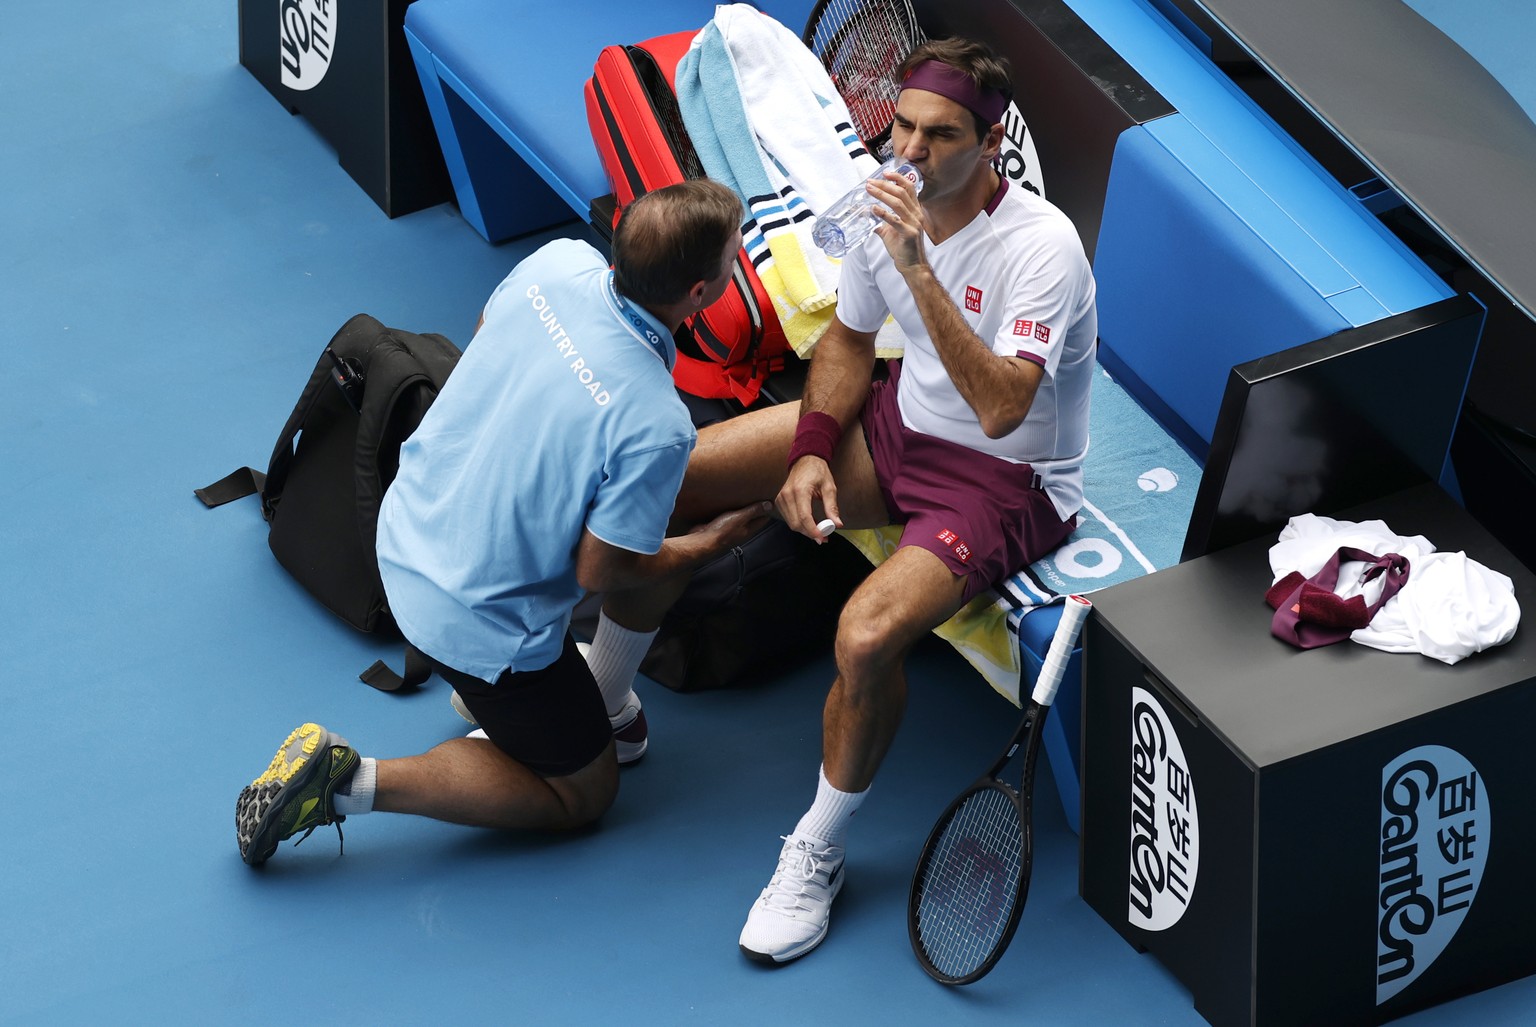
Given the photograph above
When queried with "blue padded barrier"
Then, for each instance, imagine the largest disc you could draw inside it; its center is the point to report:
(1222, 240)
(503, 80)
(1187, 290)
(1284, 176)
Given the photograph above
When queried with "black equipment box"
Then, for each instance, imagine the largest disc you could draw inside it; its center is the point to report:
(1340, 835)
(347, 69)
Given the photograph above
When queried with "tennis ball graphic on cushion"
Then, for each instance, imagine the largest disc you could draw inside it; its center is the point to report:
(1159, 479)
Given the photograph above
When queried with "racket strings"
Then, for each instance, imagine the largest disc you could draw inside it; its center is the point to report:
(970, 885)
(669, 116)
(861, 45)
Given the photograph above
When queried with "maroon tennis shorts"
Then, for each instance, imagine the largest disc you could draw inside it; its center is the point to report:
(983, 516)
(552, 721)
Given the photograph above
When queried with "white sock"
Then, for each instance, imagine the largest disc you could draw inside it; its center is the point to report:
(359, 795)
(614, 660)
(828, 817)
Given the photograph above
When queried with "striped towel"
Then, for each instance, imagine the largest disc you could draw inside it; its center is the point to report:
(767, 121)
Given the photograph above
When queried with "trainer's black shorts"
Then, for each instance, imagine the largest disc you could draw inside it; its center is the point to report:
(552, 721)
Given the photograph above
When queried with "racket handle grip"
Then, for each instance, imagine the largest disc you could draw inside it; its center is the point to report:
(1073, 613)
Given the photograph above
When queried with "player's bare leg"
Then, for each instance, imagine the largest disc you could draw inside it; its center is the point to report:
(901, 601)
(738, 462)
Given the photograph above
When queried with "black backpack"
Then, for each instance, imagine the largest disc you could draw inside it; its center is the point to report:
(321, 494)
(763, 608)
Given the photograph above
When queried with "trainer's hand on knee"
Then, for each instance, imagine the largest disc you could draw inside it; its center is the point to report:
(808, 495)
(734, 527)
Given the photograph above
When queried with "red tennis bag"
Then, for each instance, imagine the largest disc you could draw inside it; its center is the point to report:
(729, 349)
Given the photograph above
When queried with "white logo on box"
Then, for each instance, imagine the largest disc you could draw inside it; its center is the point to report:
(1435, 831)
(306, 41)
(1165, 822)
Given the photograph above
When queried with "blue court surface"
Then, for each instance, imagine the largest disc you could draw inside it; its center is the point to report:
(177, 251)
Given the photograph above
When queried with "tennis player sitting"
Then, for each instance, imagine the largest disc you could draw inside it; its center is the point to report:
(547, 466)
(975, 444)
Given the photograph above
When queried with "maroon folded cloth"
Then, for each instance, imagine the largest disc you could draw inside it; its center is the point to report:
(1309, 613)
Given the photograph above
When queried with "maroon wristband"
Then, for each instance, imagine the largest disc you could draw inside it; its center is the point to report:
(817, 434)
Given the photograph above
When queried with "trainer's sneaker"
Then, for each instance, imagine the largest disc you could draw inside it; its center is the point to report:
(790, 917)
(294, 793)
(457, 701)
(631, 735)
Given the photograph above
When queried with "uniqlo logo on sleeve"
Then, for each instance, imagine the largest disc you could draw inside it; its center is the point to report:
(960, 549)
(1042, 333)
(1023, 328)
(973, 298)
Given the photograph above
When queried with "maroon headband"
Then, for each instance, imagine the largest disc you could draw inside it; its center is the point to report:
(938, 77)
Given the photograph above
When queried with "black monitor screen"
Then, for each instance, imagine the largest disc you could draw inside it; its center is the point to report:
(1334, 423)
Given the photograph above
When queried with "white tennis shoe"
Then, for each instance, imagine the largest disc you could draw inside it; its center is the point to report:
(631, 734)
(790, 917)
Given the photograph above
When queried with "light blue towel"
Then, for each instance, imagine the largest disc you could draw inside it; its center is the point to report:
(1139, 490)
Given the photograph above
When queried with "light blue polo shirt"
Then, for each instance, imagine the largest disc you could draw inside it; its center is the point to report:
(560, 416)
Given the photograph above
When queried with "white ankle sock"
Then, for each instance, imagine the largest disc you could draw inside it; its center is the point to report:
(828, 817)
(614, 660)
(359, 795)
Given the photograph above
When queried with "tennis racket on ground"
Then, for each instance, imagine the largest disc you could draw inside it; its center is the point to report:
(861, 43)
(973, 875)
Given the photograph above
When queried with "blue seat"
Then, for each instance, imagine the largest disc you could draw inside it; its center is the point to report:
(1223, 240)
(503, 80)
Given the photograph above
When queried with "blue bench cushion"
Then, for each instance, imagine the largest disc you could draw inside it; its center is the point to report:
(517, 69)
(1222, 240)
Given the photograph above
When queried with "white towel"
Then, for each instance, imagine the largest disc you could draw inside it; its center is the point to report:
(1451, 606)
(767, 121)
(801, 122)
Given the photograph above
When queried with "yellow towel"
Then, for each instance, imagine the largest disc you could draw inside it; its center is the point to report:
(802, 328)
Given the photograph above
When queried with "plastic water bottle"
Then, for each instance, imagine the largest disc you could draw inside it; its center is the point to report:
(844, 225)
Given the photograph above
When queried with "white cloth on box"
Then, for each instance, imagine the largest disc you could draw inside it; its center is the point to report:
(1451, 607)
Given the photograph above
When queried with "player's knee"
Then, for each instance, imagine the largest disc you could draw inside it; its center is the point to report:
(863, 647)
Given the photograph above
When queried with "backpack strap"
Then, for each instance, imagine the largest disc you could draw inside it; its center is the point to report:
(247, 481)
(417, 670)
(353, 341)
(398, 390)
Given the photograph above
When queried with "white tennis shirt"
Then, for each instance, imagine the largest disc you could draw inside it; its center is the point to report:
(1018, 275)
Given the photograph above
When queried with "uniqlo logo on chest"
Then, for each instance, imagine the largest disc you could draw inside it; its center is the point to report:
(960, 549)
(973, 298)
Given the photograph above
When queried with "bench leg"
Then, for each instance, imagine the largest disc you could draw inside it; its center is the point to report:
(497, 192)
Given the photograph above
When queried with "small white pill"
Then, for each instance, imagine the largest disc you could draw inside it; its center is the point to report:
(826, 527)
